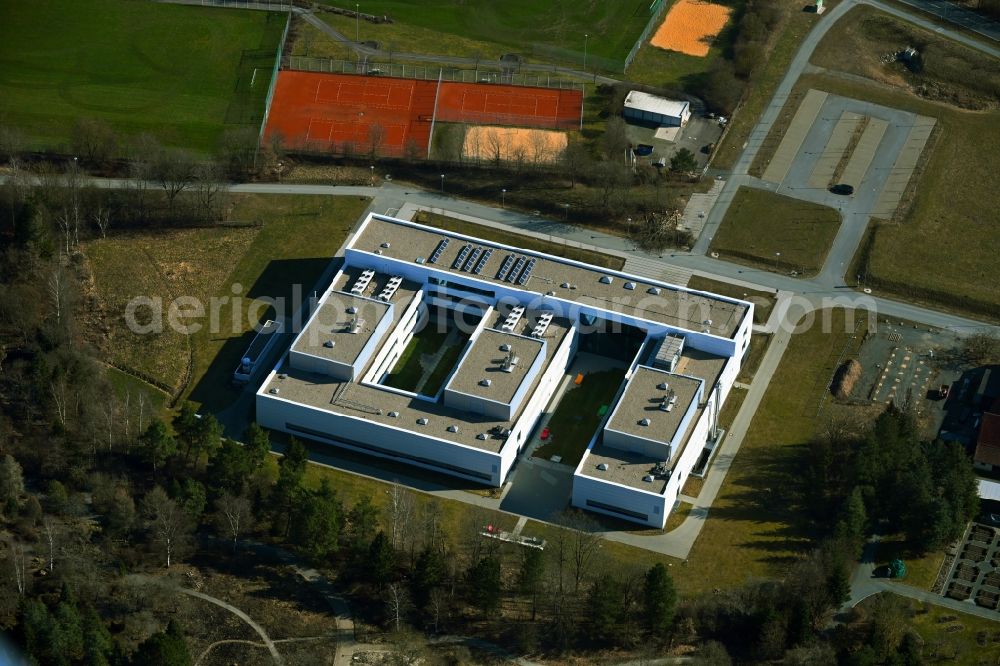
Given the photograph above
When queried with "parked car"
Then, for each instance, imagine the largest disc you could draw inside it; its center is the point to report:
(843, 188)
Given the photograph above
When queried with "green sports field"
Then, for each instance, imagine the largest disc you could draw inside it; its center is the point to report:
(180, 73)
(613, 25)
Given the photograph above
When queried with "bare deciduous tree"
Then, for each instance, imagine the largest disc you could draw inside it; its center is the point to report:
(376, 137)
(173, 169)
(234, 515)
(169, 524)
(400, 513)
(209, 188)
(49, 530)
(101, 215)
(397, 602)
(585, 541)
(19, 563)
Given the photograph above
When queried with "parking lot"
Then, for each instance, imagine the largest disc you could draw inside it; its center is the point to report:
(696, 136)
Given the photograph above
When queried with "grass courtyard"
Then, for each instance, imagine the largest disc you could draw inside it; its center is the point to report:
(409, 370)
(284, 249)
(575, 420)
(180, 73)
(776, 232)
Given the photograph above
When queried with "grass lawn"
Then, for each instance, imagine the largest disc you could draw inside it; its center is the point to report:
(942, 247)
(757, 526)
(763, 83)
(180, 73)
(678, 516)
(125, 384)
(575, 420)
(407, 370)
(165, 265)
(291, 250)
(440, 373)
(755, 354)
(670, 69)
(519, 240)
(292, 244)
(776, 232)
(950, 72)
(949, 636)
(454, 515)
(763, 301)
(921, 571)
(509, 26)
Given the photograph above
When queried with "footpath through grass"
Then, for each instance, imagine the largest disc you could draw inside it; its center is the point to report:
(179, 73)
(776, 233)
(519, 240)
(757, 526)
(514, 25)
(762, 85)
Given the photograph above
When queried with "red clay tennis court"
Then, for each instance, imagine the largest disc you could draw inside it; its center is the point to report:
(336, 112)
(491, 104)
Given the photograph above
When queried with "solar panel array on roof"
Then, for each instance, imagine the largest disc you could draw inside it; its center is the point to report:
(482, 261)
(521, 261)
(526, 273)
(505, 268)
(442, 244)
(460, 259)
(471, 261)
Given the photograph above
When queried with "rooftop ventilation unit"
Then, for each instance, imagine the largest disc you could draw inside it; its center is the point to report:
(485, 382)
(385, 245)
(352, 310)
(644, 422)
(607, 279)
(648, 478)
(482, 436)
(422, 421)
(419, 260)
(394, 415)
(655, 291)
(550, 293)
(603, 467)
(274, 391)
(505, 347)
(355, 325)
(565, 285)
(282, 376)
(510, 362)
(453, 428)
(630, 286)
(663, 386)
(329, 344)
(707, 322)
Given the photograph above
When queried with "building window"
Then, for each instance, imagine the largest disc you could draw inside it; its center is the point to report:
(618, 510)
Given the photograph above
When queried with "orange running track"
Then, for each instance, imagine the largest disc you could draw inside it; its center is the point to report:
(336, 112)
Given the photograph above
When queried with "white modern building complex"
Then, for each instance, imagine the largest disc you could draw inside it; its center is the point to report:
(508, 324)
(657, 110)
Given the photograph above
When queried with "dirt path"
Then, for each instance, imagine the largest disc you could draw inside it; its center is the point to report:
(268, 643)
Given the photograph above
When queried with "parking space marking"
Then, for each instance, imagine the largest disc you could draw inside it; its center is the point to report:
(864, 152)
(796, 133)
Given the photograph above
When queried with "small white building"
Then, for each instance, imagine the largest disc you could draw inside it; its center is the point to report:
(659, 110)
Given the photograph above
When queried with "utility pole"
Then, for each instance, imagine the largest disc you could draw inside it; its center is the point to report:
(357, 22)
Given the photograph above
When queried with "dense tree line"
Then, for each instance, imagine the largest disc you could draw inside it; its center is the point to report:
(888, 480)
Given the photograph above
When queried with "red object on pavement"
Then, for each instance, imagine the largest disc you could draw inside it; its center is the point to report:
(545, 434)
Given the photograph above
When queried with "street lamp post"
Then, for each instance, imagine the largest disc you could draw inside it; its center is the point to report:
(371, 181)
(357, 22)
(503, 198)
(777, 255)
(442, 183)
(585, 38)
(565, 211)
